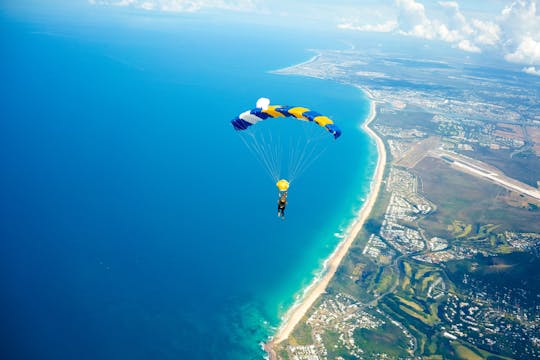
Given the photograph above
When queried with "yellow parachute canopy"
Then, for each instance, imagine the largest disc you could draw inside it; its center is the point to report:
(283, 185)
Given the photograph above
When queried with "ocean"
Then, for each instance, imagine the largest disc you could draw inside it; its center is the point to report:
(134, 223)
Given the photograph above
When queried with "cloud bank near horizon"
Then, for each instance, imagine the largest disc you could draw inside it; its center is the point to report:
(189, 6)
(514, 32)
(531, 70)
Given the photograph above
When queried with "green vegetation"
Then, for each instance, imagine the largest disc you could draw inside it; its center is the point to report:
(418, 309)
(411, 304)
(409, 118)
(357, 276)
(473, 216)
(523, 168)
(388, 339)
(498, 272)
(302, 334)
(282, 353)
(464, 199)
(465, 352)
(405, 285)
(373, 226)
(385, 281)
(460, 229)
(336, 347)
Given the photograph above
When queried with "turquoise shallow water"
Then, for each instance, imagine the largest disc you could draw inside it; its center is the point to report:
(134, 222)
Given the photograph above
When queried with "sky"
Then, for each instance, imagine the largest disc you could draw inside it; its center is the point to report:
(506, 29)
(510, 29)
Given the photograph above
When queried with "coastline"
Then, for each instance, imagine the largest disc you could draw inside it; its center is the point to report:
(285, 70)
(318, 286)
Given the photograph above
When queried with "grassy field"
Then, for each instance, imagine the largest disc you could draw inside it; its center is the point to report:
(468, 200)
(499, 272)
(422, 311)
(387, 339)
(356, 276)
(386, 280)
(469, 352)
(409, 118)
(410, 304)
(466, 353)
(525, 168)
(302, 334)
(407, 272)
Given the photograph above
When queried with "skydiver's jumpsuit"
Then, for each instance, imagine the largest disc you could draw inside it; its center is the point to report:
(282, 202)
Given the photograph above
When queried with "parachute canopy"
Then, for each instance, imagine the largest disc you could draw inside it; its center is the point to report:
(264, 111)
(284, 147)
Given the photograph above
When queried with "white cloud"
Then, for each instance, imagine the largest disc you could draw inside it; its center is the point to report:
(181, 5)
(454, 18)
(528, 52)
(531, 70)
(412, 19)
(384, 27)
(521, 39)
(515, 33)
(147, 5)
(452, 26)
(466, 45)
(486, 33)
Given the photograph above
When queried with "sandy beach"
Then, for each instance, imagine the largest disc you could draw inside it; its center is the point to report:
(318, 287)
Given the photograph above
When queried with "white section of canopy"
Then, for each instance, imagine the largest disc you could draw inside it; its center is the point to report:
(250, 118)
(263, 103)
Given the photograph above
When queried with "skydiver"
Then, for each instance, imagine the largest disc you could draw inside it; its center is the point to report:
(282, 202)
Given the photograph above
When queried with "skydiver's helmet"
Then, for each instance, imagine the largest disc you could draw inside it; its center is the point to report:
(282, 185)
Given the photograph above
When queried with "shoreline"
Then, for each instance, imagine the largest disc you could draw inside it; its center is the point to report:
(295, 314)
(285, 70)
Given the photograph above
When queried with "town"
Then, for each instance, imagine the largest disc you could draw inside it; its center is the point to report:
(425, 280)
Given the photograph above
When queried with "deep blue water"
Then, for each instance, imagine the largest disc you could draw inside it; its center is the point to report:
(133, 221)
